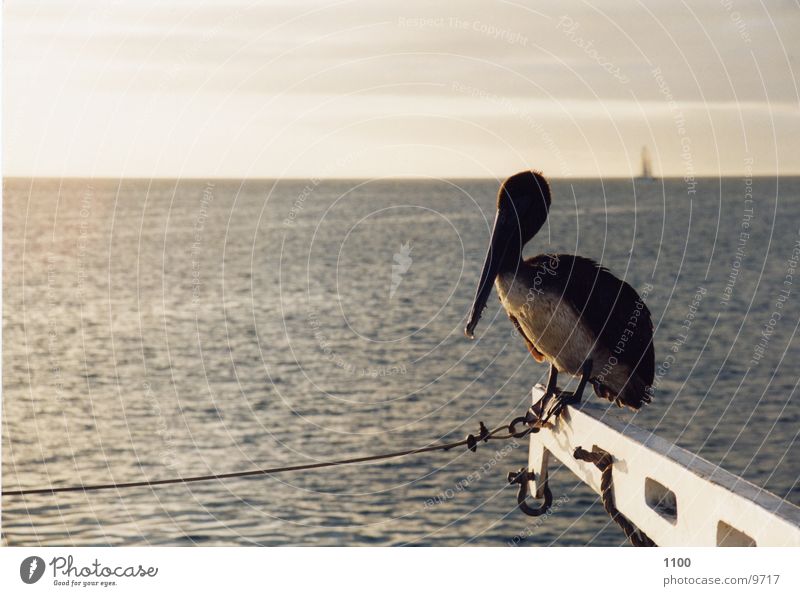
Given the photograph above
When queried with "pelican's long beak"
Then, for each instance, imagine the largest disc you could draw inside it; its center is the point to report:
(498, 246)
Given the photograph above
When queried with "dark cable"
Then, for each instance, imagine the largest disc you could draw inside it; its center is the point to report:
(605, 463)
(470, 442)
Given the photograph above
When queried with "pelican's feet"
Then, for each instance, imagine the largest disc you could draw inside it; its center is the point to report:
(537, 413)
(560, 401)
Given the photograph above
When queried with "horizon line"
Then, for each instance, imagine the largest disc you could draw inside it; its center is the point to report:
(375, 178)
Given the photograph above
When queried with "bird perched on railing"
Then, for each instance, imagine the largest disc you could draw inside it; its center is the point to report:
(572, 312)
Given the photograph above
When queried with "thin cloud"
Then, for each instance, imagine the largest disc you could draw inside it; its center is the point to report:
(91, 89)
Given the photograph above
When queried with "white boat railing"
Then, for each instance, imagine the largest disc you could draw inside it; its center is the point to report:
(675, 497)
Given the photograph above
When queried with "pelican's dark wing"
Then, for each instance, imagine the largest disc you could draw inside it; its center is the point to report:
(612, 309)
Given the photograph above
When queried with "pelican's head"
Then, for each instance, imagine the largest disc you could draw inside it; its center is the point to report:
(522, 205)
(524, 200)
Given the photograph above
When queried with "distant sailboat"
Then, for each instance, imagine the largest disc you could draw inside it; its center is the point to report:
(647, 167)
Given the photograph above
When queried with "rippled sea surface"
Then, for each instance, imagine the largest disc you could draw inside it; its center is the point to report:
(153, 329)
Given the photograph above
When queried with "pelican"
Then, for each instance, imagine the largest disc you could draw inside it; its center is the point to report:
(571, 312)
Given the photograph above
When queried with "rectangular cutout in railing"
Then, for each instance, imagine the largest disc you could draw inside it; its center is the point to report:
(661, 500)
(727, 535)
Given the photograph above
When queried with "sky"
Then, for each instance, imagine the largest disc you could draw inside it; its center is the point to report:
(314, 88)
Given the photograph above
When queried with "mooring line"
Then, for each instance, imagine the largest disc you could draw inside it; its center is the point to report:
(470, 442)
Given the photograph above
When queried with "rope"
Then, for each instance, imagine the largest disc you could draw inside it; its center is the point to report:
(605, 462)
(471, 442)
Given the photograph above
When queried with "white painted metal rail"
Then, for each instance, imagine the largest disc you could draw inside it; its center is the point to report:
(676, 497)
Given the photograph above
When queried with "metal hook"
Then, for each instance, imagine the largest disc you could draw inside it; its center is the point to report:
(522, 477)
(530, 419)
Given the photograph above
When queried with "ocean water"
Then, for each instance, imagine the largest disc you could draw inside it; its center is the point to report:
(161, 328)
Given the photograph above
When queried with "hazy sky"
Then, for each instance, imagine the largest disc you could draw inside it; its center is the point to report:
(408, 88)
